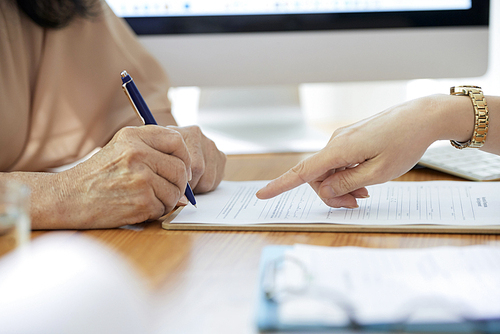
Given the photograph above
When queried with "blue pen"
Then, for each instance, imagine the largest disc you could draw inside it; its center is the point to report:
(142, 110)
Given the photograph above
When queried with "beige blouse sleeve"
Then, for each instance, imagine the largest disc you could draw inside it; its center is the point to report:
(76, 99)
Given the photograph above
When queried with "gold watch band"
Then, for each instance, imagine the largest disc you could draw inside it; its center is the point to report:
(480, 115)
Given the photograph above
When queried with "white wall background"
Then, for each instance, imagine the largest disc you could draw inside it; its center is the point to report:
(327, 103)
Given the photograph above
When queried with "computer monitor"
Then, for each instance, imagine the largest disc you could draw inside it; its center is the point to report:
(232, 47)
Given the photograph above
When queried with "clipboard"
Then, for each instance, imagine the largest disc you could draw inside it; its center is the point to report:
(339, 228)
(268, 319)
(394, 207)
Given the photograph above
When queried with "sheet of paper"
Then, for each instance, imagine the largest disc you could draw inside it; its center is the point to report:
(388, 285)
(392, 203)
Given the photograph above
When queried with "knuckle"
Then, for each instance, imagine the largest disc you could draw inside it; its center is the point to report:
(299, 170)
(178, 173)
(196, 130)
(344, 184)
(173, 197)
(169, 130)
(332, 202)
(169, 199)
(175, 133)
(132, 153)
(340, 133)
(210, 144)
(198, 166)
(175, 136)
(126, 133)
(192, 129)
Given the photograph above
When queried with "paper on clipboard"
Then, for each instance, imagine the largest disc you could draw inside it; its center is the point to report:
(450, 203)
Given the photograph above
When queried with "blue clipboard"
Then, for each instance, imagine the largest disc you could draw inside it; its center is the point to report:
(268, 309)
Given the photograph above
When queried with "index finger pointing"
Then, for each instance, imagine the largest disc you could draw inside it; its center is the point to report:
(305, 171)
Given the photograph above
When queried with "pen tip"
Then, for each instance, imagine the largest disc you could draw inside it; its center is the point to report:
(195, 206)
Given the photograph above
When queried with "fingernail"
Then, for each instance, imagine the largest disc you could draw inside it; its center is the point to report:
(353, 207)
(190, 174)
(327, 192)
(183, 201)
(258, 194)
(364, 196)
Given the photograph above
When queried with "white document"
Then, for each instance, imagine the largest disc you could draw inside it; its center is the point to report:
(392, 203)
(325, 284)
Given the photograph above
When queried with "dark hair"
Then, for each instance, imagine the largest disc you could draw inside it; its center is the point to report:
(57, 13)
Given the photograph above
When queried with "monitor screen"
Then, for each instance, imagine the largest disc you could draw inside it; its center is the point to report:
(222, 16)
(248, 42)
(175, 8)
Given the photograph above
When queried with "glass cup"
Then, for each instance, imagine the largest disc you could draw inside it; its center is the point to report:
(15, 222)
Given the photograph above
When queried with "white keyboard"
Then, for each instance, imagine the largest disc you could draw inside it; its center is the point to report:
(468, 163)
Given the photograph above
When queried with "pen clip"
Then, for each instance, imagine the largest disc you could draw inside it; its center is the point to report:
(124, 86)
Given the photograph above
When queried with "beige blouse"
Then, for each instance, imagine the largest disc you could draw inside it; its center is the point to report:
(60, 90)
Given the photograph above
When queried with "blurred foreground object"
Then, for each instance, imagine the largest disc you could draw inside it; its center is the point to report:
(15, 223)
(67, 283)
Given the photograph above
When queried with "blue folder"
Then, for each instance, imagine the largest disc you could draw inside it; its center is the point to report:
(268, 308)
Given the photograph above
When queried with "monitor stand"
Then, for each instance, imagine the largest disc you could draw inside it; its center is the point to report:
(257, 120)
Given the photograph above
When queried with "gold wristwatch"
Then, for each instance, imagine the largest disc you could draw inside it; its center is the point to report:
(480, 115)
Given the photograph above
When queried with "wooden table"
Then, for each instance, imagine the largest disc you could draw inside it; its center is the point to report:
(207, 281)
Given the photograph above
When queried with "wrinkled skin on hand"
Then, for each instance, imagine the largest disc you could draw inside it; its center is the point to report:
(140, 174)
